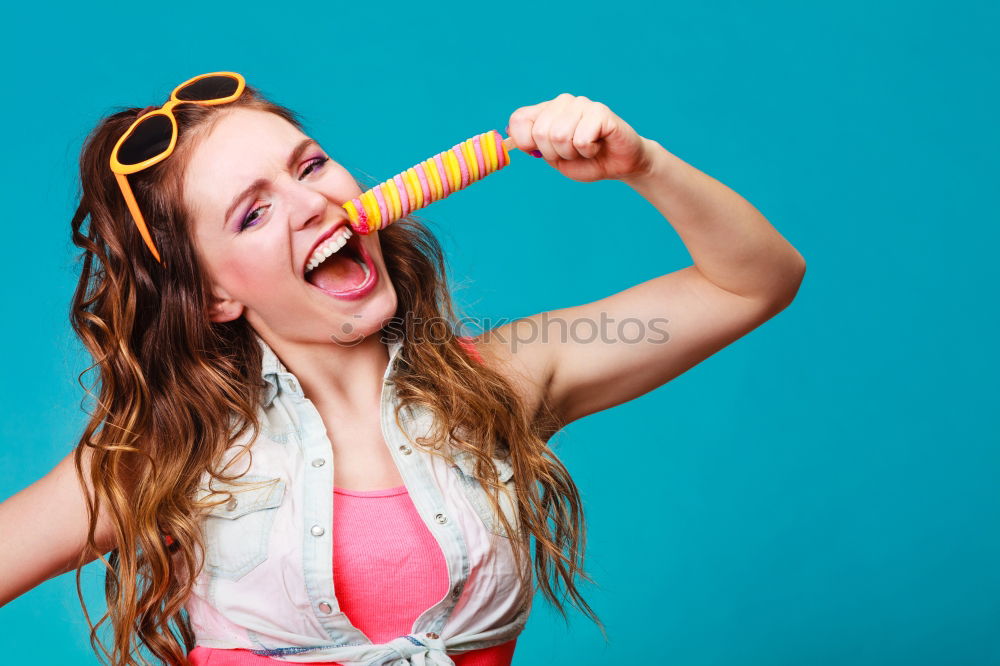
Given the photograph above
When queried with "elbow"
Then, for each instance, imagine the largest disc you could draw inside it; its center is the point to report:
(785, 283)
(790, 285)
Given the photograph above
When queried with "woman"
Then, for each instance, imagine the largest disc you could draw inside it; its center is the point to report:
(248, 386)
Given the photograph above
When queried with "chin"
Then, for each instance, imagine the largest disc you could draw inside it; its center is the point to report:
(368, 321)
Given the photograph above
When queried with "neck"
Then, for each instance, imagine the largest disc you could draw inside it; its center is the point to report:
(337, 379)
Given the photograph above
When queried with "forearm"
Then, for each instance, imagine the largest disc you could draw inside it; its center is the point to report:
(731, 242)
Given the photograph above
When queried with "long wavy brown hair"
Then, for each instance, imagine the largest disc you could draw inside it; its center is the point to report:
(170, 383)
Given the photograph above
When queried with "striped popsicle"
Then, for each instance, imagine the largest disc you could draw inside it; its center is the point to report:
(429, 181)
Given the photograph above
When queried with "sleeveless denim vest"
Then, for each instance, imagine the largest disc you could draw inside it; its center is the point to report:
(267, 583)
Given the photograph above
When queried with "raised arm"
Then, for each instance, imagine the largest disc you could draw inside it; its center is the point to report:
(597, 355)
(43, 529)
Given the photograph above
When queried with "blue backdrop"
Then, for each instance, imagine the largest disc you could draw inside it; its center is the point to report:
(822, 491)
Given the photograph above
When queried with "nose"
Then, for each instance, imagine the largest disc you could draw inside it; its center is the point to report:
(308, 206)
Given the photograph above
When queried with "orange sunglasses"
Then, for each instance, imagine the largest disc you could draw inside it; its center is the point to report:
(152, 137)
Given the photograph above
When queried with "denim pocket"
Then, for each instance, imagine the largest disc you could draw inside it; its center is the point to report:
(237, 531)
(465, 463)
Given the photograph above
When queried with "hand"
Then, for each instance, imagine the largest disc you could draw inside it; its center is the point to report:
(581, 138)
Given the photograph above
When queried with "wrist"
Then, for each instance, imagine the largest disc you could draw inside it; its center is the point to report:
(654, 165)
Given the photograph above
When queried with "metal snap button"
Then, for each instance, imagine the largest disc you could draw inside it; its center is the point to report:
(325, 607)
(319, 462)
(231, 504)
(431, 634)
(317, 530)
(293, 385)
(406, 450)
(441, 518)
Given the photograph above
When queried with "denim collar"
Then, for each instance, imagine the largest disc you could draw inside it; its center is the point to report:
(272, 370)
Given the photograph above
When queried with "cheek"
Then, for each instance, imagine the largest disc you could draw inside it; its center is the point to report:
(253, 275)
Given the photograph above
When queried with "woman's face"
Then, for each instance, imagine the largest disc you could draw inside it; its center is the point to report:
(256, 247)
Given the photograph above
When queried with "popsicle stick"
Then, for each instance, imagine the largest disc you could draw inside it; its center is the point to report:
(509, 143)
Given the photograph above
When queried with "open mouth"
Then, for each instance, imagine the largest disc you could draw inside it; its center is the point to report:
(347, 271)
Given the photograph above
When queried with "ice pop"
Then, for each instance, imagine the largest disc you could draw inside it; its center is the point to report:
(429, 181)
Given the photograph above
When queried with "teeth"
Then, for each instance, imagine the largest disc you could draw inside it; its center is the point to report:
(329, 246)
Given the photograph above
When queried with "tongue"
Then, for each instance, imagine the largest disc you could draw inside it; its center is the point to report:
(338, 273)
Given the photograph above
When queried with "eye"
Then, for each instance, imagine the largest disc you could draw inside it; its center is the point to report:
(318, 163)
(246, 220)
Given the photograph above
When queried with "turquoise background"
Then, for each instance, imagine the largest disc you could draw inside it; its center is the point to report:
(822, 491)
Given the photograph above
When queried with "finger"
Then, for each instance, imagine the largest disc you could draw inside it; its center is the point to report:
(520, 126)
(563, 130)
(540, 135)
(541, 129)
(587, 137)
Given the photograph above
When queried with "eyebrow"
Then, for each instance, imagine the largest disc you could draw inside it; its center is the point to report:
(261, 183)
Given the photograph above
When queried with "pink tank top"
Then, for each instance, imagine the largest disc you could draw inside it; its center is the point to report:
(387, 570)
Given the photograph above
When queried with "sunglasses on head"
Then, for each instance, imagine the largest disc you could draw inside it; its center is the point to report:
(152, 137)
